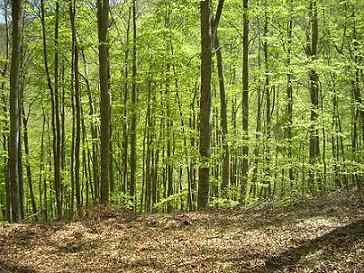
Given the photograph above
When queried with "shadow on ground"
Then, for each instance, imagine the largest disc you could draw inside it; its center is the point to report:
(12, 268)
(232, 240)
(339, 239)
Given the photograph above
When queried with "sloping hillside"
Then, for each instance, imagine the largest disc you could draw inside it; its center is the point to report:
(319, 236)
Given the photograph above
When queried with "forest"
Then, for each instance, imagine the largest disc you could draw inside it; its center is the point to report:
(182, 115)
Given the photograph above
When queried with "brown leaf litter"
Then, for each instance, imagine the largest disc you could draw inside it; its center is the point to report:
(320, 236)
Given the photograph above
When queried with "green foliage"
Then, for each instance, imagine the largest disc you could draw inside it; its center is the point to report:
(122, 200)
(216, 202)
(170, 200)
(168, 98)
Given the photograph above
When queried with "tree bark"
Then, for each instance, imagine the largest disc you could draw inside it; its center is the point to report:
(290, 97)
(105, 105)
(54, 104)
(133, 124)
(15, 71)
(27, 162)
(205, 104)
(125, 105)
(314, 145)
(76, 81)
(223, 100)
(245, 100)
(268, 109)
(5, 109)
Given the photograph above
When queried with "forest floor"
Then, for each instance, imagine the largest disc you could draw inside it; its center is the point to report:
(322, 235)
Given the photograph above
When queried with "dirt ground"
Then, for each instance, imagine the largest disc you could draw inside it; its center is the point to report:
(325, 235)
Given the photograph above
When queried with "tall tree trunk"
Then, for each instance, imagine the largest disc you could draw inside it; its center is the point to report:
(94, 134)
(223, 100)
(125, 105)
(258, 129)
(205, 104)
(358, 112)
(169, 136)
(314, 146)
(54, 104)
(245, 101)
(73, 136)
(268, 108)
(5, 109)
(76, 81)
(290, 97)
(20, 146)
(15, 71)
(62, 125)
(85, 166)
(133, 125)
(57, 159)
(105, 106)
(192, 175)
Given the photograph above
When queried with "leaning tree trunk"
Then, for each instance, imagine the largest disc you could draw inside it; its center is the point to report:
(223, 100)
(27, 162)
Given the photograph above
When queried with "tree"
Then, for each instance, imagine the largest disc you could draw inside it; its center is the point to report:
(53, 93)
(245, 99)
(205, 104)
(223, 100)
(5, 109)
(15, 72)
(133, 125)
(290, 93)
(173, 139)
(76, 80)
(105, 103)
(312, 51)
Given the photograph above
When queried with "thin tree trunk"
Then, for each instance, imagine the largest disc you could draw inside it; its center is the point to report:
(42, 190)
(268, 110)
(20, 149)
(125, 105)
(57, 163)
(77, 99)
(27, 155)
(245, 100)
(358, 112)
(290, 97)
(54, 104)
(94, 134)
(133, 125)
(223, 101)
